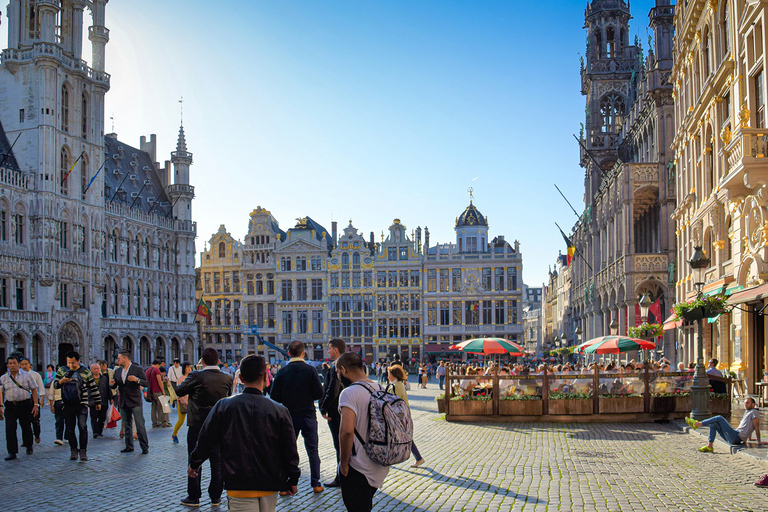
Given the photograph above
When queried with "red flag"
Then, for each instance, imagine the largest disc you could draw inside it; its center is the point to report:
(638, 317)
(656, 310)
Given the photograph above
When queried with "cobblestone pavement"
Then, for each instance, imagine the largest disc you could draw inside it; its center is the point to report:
(470, 467)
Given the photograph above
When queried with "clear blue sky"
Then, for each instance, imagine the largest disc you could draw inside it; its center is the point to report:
(363, 109)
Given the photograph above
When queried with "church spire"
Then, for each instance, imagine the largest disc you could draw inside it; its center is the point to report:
(181, 145)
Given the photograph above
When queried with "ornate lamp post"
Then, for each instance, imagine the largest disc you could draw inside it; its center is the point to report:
(700, 388)
(645, 304)
(563, 343)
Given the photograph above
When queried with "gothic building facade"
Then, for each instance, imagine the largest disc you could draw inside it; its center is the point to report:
(624, 239)
(96, 239)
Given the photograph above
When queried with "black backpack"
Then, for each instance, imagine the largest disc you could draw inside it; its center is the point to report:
(72, 391)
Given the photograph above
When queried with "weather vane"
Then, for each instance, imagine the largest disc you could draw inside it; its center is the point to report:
(181, 108)
(471, 195)
(112, 118)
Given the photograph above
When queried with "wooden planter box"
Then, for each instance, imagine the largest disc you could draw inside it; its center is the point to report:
(720, 406)
(441, 406)
(520, 407)
(621, 405)
(683, 404)
(471, 408)
(570, 406)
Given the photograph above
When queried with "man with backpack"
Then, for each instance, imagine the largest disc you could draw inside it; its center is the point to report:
(78, 391)
(376, 432)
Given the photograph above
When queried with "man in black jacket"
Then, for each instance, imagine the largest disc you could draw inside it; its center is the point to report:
(297, 386)
(205, 388)
(255, 436)
(128, 379)
(329, 404)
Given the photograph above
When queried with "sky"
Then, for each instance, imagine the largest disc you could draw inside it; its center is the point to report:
(368, 110)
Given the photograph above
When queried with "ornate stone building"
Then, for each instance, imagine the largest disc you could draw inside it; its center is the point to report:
(398, 264)
(96, 239)
(471, 288)
(624, 237)
(720, 144)
(558, 312)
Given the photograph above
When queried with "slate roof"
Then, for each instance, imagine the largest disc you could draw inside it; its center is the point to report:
(6, 155)
(471, 217)
(133, 167)
(319, 230)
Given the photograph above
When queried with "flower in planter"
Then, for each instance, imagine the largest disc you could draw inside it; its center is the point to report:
(521, 397)
(558, 395)
(712, 305)
(646, 330)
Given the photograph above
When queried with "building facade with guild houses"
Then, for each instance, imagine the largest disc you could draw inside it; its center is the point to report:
(351, 291)
(721, 131)
(471, 288)
(301, 263)
(96, 238)
(559, 328)
(398, 288)
(625, 240)
(532, 319)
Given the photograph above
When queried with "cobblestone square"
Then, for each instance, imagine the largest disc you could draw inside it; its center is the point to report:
(470, 467)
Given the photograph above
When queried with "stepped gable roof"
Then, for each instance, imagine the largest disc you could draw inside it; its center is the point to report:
(471, 217)
(6, 155)
(132, 167)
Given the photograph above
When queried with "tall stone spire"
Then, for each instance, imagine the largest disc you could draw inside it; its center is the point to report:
(181, 145)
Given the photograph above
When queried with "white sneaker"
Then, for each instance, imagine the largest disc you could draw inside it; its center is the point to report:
(58, 442)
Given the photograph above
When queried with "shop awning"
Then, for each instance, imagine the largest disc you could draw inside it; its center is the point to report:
(750, 295)
(733, 288)
(714, 291)
(714, 319)
(670, 323)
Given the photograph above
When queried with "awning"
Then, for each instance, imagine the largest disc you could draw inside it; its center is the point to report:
(750, 295)
(714, 291)
(733, 288)
(670, 323)
(713, 319)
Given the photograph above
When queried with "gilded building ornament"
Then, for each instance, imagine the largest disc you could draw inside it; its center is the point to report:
(725, 134)
(718, 245)
(744, 115)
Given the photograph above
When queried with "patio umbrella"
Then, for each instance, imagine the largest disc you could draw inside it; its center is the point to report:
(619, 345)
(489, 346)
(580, 348)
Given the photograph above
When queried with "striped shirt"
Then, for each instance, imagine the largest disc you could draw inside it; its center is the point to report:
(14, 393)
(89, 392)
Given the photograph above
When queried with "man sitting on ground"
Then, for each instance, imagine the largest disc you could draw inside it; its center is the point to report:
(750, 422)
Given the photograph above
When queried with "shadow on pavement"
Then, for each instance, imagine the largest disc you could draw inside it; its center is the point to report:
(471, 483)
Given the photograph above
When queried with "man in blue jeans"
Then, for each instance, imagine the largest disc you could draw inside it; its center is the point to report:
(750, 422)
(441, 373)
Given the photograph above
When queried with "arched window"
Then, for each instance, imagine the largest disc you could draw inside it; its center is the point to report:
(612, 112)
(705, 48)
(147, 252)
(137, 299)
(724, 30)
(136, 250)
(83, 176)
(610, 43)
(116, 297)
(345, 260)
(84, 115)
(129, 301)
(222, 250)
(65, 108)
(63, 169)
(356, 260)
(599, 44)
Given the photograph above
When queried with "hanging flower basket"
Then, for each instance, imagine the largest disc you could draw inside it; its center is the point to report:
(646, 330)
(701, 307)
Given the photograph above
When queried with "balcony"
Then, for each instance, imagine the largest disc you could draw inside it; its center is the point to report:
(12, 57)
(746, 154)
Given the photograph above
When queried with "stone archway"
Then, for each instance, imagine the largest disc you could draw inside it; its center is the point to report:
(175, 349)
(160, 349)
(189, 352)
(37, 352)
(128, 345)
(145, 352)
(3, 352)
(110, 350)
(70, 338)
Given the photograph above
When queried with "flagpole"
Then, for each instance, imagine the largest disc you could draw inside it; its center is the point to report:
(94, 176)
(576, 249)
(567, 201)
(72, 168)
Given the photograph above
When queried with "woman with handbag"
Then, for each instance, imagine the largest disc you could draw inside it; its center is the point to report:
(186, 369)
(396, 377)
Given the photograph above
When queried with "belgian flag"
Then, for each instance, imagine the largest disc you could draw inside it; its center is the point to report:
(203, 310)
(571, 249)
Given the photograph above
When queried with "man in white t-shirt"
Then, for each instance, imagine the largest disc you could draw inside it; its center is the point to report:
(750, 423)
(360, 477)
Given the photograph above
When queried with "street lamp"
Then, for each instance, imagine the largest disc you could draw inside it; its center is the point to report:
(700, 388)
(614, 327)
(645, 304)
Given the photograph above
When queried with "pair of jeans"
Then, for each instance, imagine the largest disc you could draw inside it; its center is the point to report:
(76, 415)
(216, 487)
(264, 504)
(307, 426)
(442, 381)
(719, 425)
(58, 414)
(415, 452)
(129, 415)
(20, 412)
(356, 492)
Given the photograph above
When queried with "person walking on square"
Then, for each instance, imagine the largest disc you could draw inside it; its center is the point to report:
(297, 386)
(175, 373)
(99, 415)
(57, 408)
(182, 401)
(18, 403)
(246, 428)
(128, 380)
(396, 378)
(78, 391)
(156, 389)
(750, 422)
(441, 374)
(360, 476)
(204, 388)
(329, 404)
(27, 367)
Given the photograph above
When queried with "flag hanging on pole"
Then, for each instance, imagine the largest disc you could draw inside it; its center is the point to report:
(94, 176)
(71, 168)
(203, 310)
(656, 310)
(571, 249)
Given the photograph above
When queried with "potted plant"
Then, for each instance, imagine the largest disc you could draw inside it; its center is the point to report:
(679, 401)
(440, 399)
(520, 405)
(479, 405)
(646, 330)
(620, 404)
(720, 403)
(700, 307)
(570, 403)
